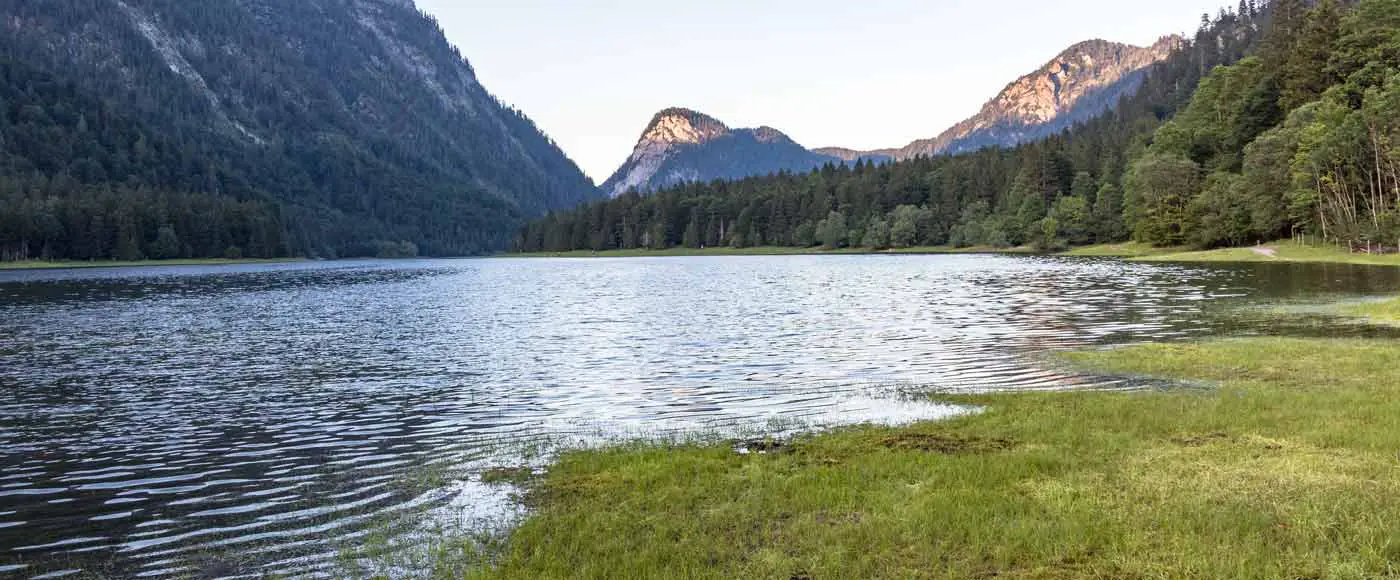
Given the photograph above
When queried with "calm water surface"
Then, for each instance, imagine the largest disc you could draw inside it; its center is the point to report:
(155, 421)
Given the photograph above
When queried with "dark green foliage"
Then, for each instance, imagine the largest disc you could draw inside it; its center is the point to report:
(80, 181)
(1306, 71)
(1161, 186)
(1312, 149)
(258, 128)
(1107, 222)
(1073, 219)
(831, 232)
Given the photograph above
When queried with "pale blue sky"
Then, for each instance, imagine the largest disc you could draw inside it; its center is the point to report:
(851, 73)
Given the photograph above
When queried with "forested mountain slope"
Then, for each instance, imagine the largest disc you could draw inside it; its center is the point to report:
(1066, 189)
(169, 128)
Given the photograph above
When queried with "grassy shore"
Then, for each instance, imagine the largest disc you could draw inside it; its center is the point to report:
(1123, 250)
(1278, 252)
(54, 265)
(766, 251)
(1286, 468)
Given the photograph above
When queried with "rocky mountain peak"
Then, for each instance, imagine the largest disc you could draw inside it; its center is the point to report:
(1076, 85)
(682, 145)
(766, 134)
(678, 125)
(1079, 71)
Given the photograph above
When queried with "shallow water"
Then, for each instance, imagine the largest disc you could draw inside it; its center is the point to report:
(155, 421)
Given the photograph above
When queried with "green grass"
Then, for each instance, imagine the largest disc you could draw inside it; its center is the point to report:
(51, 265)
(1286, 469)
(765, 251)
(1123, 250)
(1281, 252)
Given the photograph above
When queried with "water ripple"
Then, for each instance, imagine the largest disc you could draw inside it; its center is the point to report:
(149, 417)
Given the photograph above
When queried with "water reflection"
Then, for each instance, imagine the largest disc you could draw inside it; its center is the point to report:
(149, 417)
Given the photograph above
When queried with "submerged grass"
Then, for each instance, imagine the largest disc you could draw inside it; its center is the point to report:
(1288, 469)
(1382, 312)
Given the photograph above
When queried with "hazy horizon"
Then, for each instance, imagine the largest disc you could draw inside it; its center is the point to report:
(829, 74)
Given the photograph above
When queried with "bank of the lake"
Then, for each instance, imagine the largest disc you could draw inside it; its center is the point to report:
(1120, 250)
(1286, 251)
(1281, 465)
(58, 265)
(767, 251)
(1276, 252)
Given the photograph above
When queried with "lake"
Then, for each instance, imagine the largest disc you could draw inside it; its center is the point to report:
(238, 420)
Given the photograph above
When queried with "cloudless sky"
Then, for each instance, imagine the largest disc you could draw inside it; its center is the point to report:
(863, 74)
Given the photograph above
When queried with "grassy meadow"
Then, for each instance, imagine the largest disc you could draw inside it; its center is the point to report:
(1283, 466)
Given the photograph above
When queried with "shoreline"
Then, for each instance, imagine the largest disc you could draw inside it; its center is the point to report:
(766, 251)
(1283, 252)
(1281, 468)
(1279, 252)
(84, 265)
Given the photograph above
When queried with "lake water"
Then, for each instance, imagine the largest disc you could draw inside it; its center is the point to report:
(227, 421)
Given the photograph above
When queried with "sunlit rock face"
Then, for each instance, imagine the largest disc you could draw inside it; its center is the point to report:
(1077, 85)
(681, 145)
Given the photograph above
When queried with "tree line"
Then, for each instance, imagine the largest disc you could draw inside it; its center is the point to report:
(1301, 138)
(59, 151)
(1239, 136)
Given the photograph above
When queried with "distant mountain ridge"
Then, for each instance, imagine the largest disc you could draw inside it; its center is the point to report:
(853, 155)
(682, 145)
(1082, 82)
(1077, 85)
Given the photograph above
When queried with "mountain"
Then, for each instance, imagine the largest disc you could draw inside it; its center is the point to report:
(1079, 84)
(343, 127)
(1073, 187)
(681, 146)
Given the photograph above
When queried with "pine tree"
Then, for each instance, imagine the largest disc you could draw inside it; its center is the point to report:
(1306, 75)
(691, 238)
(1286, 26)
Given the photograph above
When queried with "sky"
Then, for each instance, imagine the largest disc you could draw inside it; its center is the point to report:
(863, 74)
